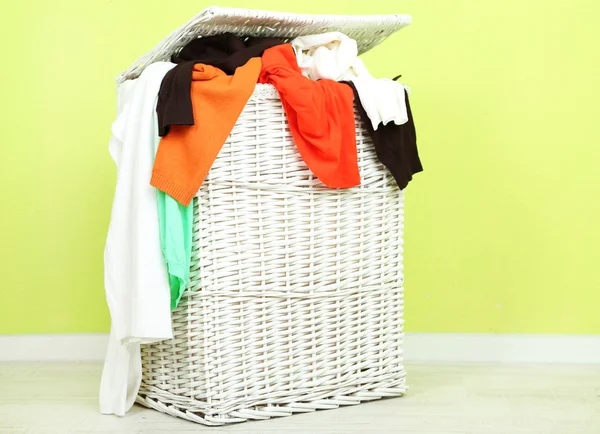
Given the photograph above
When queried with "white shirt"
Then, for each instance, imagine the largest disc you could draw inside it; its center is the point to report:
(334, 56)
(135, 273)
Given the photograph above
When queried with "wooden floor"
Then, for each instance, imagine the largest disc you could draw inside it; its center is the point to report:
(443, 399)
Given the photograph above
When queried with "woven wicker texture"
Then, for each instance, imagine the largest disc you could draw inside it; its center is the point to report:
(295, 298)
(368, 30)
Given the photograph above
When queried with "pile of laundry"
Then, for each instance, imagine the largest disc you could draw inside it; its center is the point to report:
(172, 122)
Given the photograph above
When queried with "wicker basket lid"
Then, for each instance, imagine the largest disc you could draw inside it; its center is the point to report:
(368, 30)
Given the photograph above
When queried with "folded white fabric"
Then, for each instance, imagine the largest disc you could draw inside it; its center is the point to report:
(334, 56)
(135, 273)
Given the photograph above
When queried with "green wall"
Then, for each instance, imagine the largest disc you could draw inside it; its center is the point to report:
(502, 230)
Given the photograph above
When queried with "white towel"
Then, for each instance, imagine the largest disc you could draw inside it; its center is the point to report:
(334, 56)
(135, 273)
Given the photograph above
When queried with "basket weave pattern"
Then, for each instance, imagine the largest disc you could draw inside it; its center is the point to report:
(368, 31)
(295, 298)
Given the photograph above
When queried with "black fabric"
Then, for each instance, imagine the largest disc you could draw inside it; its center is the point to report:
(225, 51)
(395, 145)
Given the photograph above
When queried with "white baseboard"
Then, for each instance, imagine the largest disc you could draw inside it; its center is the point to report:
(502, 348)
(43, 348)
(420, 347)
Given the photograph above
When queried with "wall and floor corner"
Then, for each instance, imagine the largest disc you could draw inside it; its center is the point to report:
(501, 228)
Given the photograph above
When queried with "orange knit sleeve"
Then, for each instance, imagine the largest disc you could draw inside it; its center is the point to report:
(187, 153)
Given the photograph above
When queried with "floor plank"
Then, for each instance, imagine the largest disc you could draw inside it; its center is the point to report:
(50, 398)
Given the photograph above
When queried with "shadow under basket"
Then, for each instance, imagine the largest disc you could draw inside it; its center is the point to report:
(295, 300)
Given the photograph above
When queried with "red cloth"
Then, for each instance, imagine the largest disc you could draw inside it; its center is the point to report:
(320, 115)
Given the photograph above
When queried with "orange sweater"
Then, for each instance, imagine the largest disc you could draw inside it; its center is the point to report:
(187, 153)
(320, 115)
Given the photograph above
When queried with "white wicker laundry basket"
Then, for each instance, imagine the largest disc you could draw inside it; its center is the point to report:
(295, 301)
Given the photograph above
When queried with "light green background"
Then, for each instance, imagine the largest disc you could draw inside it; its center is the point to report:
(502, 229)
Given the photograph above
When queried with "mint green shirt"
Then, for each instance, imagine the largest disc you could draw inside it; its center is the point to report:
(175, 224)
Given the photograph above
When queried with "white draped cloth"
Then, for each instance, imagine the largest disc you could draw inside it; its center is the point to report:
(334, 56)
